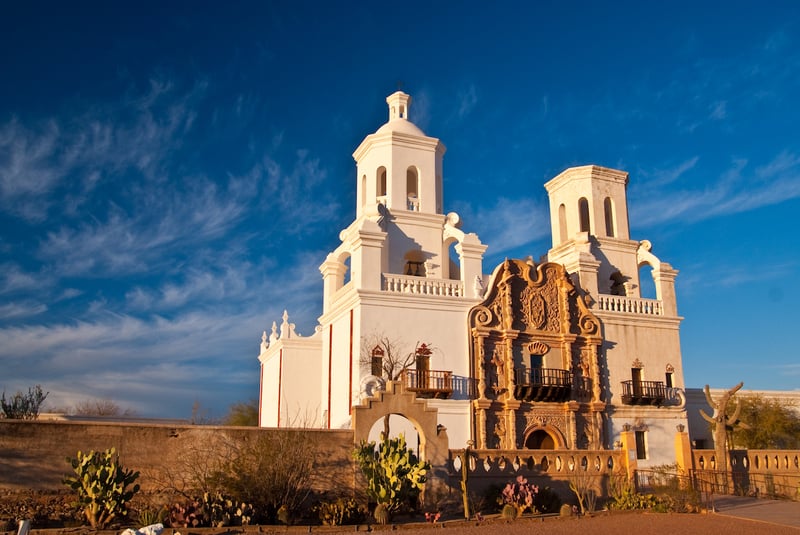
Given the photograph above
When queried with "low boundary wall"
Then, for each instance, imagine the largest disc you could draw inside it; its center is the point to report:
(33, 453)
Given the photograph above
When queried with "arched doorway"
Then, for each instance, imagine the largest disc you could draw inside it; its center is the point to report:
(540, 439)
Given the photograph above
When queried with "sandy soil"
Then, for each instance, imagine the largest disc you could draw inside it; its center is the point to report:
(606, 524)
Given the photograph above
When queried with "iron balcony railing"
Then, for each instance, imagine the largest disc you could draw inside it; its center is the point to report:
(643, 392)
(428, 383)
(542, 384)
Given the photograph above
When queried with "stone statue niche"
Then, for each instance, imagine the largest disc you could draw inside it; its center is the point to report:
(723, 423)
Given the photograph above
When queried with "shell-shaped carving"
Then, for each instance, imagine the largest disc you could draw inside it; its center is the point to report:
(538, 348)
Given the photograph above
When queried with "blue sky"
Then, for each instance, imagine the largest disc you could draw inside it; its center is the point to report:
(171, 176)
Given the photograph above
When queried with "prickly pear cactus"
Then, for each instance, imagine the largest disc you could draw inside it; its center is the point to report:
(102, 486)
(393, 473)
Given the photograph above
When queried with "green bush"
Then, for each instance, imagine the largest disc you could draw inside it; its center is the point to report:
(102, 486)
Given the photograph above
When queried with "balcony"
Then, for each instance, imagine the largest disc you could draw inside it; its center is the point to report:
(428, 383)
(643, 392)
(542, 384)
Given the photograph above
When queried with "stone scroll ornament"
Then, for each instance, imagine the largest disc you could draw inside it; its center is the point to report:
(723, 423)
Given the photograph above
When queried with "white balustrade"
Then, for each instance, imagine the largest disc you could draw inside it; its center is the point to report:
(405, 284)
(631, 305)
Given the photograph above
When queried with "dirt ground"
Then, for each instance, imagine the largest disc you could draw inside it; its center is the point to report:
(611, 524)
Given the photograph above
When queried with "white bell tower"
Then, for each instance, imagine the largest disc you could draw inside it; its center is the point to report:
(404, 269)
(399, 166)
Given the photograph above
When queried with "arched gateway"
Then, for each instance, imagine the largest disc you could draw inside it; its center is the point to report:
(433, 441)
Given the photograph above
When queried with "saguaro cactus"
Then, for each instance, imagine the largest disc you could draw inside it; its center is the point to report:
(722, 422)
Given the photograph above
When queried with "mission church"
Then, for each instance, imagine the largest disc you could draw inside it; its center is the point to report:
(561, 354)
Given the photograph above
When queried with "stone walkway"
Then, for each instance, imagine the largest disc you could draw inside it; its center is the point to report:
(782, 512)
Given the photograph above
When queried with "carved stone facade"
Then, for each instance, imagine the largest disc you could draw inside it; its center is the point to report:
(534, 351)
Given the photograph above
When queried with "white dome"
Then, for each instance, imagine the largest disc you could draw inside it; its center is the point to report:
(400, 125)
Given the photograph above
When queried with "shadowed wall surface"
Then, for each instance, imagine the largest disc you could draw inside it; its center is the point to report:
(34, 453)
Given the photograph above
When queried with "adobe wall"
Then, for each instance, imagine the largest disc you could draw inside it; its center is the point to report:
(33, 453)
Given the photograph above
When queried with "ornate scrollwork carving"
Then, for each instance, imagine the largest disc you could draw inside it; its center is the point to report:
(482, 315)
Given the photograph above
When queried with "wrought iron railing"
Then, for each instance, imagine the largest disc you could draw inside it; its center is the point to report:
(542, 384)
(428, 383)
(643, 392)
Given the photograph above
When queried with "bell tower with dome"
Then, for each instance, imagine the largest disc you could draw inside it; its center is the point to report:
(404, 271)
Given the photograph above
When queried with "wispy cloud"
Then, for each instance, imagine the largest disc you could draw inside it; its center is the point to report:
(467, 99)
(24, 309)
(133, 135)
(734, 191)
(507, 224)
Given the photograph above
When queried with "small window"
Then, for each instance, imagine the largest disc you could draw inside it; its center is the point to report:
(668, 381)
(562, 223)
(583, 213)
(412, 189)
(377, 361)
(608, 208)
(381, 185)
(641, 451)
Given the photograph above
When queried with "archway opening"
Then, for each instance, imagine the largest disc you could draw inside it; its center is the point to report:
(540, 440)
(347, 273)
(380, 186)
(647, 286)
(398, 425)
(414, 263)
(453, 262)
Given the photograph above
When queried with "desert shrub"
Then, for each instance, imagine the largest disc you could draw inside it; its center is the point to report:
(275, 470)
(267, 470)
(547, 501)
(628, 499)
(584, 486)
(148, 508)
(672, 490)
(23, 406)
(340, 512)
